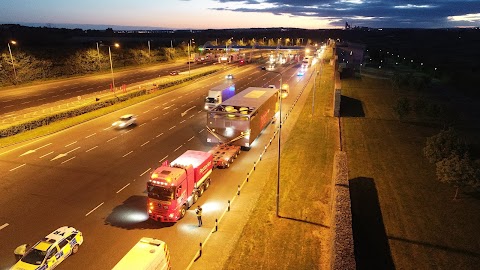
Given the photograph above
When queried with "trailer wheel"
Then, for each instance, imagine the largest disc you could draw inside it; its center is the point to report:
(183, 210)
(207, 184)
(227, 165)
(201, 190)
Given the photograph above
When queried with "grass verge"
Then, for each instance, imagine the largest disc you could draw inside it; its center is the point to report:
(301, 238)
(424, 228)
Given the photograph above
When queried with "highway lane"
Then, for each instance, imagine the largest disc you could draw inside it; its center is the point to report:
(14, 99)
(52, 194)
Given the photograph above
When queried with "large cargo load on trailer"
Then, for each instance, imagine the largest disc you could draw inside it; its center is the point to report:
(240, 119)
(173, 188)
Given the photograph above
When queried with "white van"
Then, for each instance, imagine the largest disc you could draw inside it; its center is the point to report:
(147, 254)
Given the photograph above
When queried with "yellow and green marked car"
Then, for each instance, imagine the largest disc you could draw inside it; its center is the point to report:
(51, 250)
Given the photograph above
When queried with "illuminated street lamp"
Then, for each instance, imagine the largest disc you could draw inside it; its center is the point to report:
(279, 139)
(111, 64)
(11, 57)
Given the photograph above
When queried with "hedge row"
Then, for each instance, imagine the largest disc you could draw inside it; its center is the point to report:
(48, 119)
(343, 257)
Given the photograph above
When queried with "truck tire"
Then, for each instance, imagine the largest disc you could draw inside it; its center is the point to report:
(207, 184)
(195, 197)
(201, 190)
(183, 210)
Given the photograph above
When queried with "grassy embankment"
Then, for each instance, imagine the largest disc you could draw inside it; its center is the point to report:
(424, 227)
(301, 238)
(63, 124)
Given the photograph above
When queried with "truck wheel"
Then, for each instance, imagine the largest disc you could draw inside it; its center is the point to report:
(207, 184)
(195, 197)
(227, 165)
(183, 210)
(201, 190)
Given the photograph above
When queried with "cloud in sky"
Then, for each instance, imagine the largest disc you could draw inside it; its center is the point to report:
(371, 13)
(203, 14)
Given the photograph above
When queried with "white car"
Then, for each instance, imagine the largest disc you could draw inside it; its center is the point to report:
(125, 121)
(51, 250)
(229, 77)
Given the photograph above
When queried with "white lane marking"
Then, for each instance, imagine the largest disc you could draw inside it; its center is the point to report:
(142, 124)
(65, 161)
(55, 96)
(168, 107)
(127, 154)
(46, 154)
(146, 111)
(90, 135)
(156, 107)
(191, 116)
(165, 113)
(123, 188)
(174, 109)
(63, 154)
(145, 171)
(109, 140)
(155, 118)
(191, 138)
(26, 102)
(41, 99)
(144, 143)
(8, 106)
(34, 150)
(127, 131)
(201, 131)
(165, 103)
(91, 149)
(159, 135)
(182, 121)
(163, 159)
(18, 167)
(71, 144)
(4, 226)
(177, 148)
(107, 128)
(172, 128)
(94, 209)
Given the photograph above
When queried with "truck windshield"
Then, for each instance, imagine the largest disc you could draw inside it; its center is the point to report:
(210, 100)
(160, 193)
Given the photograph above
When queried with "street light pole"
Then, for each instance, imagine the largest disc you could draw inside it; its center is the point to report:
(98, 54)
(11, 57)
(279, 141)
(188, 45)
(149, 49)
(111, 68)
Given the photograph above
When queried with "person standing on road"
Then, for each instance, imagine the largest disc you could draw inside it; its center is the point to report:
(199, 215)
(20, 251)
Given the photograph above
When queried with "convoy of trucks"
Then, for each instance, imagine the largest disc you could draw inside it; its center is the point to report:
(147, 254)
(174, 187)
(240, 119)
(219, 94)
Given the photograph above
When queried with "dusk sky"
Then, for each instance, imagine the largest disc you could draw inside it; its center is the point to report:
(219, 14)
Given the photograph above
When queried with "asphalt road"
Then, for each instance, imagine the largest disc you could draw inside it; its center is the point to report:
(94, 178)
(15, 99)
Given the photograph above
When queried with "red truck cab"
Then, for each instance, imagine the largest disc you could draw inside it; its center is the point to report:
(173, 188)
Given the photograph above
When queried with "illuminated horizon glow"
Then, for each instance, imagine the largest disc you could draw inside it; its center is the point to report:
(231, 14)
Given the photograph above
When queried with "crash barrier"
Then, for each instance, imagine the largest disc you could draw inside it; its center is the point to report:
(246, 179)
(343, 257)
(95, 105)
(337, 94)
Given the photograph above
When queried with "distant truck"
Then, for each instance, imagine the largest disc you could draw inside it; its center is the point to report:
(174, 187)
(240, 119)
(219, 94)
(147, 254)
(307, 62)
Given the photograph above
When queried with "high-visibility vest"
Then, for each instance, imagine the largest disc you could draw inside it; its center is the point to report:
(199, 212)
